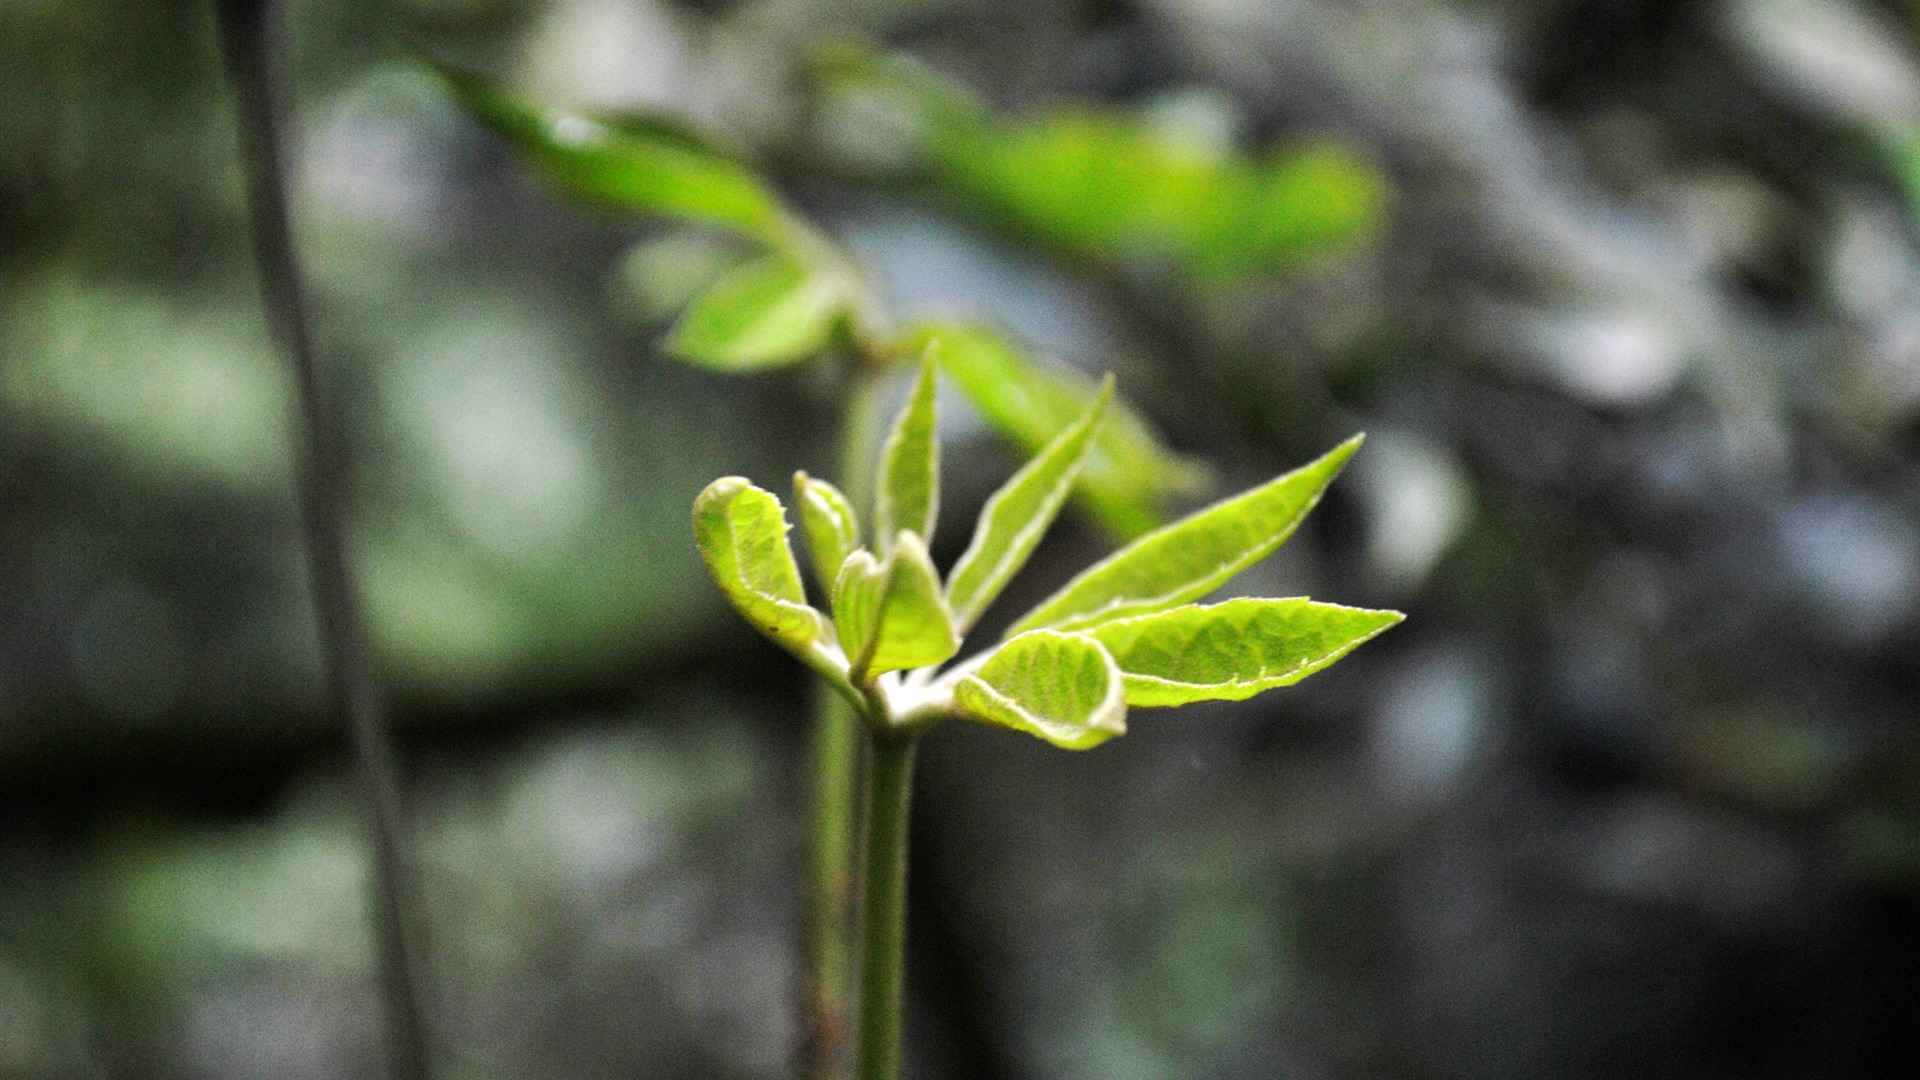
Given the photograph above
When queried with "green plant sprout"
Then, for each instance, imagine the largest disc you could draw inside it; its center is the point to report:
(1125, 632)
(794, 296)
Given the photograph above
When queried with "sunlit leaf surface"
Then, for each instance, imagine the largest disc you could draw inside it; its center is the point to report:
(742, 532)
(1233, 650)
(908, 489)
(1064, 688)
(1017, 516)
(1193, 556)
(828, 523)
(890, 614)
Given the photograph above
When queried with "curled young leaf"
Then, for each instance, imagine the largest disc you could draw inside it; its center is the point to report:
(742, 533)
(1063, 688)
(768, 312)
(1192, 557)
(1232, 650)
(650, 167)
(858, 590)
(1017, 515)
(907, 494)
(829, 525)
(890, 614)
(1130, 473)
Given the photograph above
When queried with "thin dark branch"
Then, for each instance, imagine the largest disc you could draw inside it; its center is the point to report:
(251, 44)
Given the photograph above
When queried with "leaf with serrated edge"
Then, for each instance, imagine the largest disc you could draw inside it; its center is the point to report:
(1130, 472)
(742, 533)
(1193, 556)
(1064, 688)
(907, 493)
(618, 162)
(1017, 516)
(891, 614)
(828, 523)
(766, 313)
(1233, 650)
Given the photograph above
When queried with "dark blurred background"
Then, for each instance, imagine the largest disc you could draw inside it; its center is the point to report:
(1632, 319)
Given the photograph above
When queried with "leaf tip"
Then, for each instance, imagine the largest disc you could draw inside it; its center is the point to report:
(722, 488)
(929, 366)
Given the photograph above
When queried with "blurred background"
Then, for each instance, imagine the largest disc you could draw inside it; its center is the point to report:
(1625, 292)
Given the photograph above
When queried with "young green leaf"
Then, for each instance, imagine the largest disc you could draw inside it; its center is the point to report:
(1232, 650)
(766, 313)
(1193, 556)
(828, 523)
(624, 162)
(907, 495)
(1017, 515)
(1130, 473)
(890, 614)
(1064, 688)
(742, 533)
(858, 591)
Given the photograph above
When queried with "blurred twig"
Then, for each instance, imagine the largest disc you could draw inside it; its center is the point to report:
(252, 53)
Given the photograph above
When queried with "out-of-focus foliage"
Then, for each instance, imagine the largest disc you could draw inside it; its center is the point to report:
(635, 162)
(789, 305)
(1158, 188)
(1131, 473)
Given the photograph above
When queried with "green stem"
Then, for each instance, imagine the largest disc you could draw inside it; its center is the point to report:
(884, 938)
(833, 828)
(834, 820)
(251, 44)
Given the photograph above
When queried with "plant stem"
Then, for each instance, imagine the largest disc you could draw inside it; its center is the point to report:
(834, 820)
(833, 832)
(884, 936)
(252, 53)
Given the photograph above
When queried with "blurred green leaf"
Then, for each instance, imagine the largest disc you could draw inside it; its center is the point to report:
(890, 614)
(665, 272)
(650, 165)
(907, 494)
(828, 522)
(1131, 472)
(1905, 150)
(1233, 650)
(742, 533)
(1111, 185)
(768, 312)
(1063, 688)
(1299, 202)
(654, 127)
(1193, 556)
(1017, 515)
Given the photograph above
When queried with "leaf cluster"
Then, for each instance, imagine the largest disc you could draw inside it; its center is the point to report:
(1125, 632)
